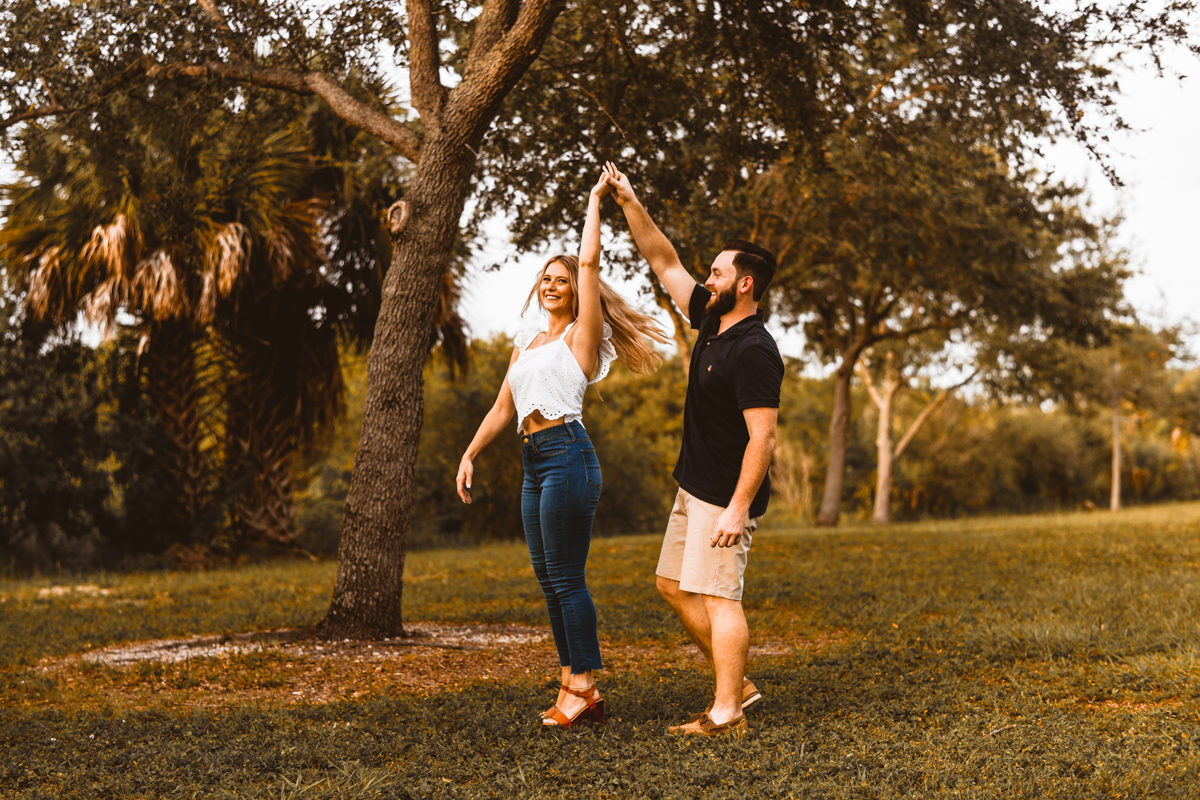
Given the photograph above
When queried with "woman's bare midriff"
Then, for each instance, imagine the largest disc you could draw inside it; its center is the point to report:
(536, 422)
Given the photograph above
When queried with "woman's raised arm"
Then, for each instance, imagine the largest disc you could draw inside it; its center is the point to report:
(589, 327)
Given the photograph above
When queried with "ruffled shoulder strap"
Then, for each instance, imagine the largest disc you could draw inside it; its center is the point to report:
(607, 355)
(524, 338)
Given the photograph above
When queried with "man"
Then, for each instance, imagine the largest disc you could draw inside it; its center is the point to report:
(729, 422)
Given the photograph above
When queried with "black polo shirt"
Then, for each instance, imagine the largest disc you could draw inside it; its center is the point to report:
(730, 372)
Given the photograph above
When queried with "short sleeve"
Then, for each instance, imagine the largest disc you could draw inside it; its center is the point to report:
(758, 373)
(696, 313)
(523, 338)
(607, 355)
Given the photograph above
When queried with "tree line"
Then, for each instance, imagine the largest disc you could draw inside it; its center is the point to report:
(974, 454)
(793, 116)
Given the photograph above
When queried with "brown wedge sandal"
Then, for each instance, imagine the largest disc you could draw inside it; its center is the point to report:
(594, 709)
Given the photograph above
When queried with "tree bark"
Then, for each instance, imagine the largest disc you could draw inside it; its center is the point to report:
(175, 393)
(883, 441)
(835, 471)
(367, 597)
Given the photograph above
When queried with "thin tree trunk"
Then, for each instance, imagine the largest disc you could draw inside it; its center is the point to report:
(883, 441)
(835, 472)
(1115, 501)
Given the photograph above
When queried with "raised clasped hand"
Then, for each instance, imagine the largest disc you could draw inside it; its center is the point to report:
(602, 186)
(619, 181)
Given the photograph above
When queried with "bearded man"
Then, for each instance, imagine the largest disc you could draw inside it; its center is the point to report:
(729, 423)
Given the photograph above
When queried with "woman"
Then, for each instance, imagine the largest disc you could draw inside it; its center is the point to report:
(589, 326)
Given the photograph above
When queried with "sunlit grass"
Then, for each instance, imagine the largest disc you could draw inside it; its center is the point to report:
(1048, 656)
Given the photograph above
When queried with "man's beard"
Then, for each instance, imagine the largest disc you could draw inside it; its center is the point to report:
(721, 303)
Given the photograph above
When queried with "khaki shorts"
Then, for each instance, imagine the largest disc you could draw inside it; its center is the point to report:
(688, 555)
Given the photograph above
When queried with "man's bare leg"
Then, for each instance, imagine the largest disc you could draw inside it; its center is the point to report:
(689, 607)
(730, 642)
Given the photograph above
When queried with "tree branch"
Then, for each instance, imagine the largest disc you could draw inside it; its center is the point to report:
(503, 65)
(864, 366)
(424, 63)
(345, 105)
(55, 107)
(927, 412)
(495, 20)
(227, 34)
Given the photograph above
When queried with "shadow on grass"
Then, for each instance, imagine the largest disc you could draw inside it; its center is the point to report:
(864, 722)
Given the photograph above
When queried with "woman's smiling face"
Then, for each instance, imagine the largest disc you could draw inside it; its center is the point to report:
(555, 291)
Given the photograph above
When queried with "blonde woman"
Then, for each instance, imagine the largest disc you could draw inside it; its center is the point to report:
(589, 325)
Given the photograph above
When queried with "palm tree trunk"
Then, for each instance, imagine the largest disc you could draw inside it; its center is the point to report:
(175, 395)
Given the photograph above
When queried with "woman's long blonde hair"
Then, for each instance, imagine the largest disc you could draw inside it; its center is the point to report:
(630, 327)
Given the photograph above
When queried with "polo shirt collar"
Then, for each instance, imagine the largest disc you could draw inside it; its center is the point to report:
(741, 326)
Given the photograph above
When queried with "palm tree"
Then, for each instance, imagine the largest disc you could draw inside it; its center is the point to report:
(240, 259)
(174, 233)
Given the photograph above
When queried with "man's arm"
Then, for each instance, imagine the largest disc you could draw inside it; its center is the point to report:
(761, 423)
(654, 246)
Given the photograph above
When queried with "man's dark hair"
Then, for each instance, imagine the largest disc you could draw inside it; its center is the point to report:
(757, 262)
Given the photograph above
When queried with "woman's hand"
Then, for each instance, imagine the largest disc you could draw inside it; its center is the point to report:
(465, 470)
(602, 186)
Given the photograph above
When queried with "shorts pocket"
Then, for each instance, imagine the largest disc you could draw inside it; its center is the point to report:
(591, 467)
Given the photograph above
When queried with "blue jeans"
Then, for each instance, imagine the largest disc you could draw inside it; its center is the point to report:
(558, 501)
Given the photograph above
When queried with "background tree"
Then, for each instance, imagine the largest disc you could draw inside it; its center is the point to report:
(877, 150)
(886, 370)
(1129, 375)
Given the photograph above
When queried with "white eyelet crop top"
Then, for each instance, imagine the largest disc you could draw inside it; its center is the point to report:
(549, 379)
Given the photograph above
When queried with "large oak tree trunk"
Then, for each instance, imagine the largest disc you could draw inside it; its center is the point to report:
(367, 598)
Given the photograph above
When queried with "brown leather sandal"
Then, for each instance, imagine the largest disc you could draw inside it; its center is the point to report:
(594, 709)
(750, 696)
(736, 727)
(553, 708)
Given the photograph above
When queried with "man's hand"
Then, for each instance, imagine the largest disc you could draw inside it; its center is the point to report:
(622, 188)
(466, 470)
(730, 527)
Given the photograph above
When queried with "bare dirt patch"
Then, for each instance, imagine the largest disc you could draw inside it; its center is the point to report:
(286, 667)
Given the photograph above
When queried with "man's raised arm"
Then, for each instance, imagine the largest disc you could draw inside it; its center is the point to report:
(654, 246)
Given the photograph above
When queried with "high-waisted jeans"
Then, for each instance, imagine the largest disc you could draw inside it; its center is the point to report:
(558, 501)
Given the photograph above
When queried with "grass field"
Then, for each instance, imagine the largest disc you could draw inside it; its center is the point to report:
(1051, 656)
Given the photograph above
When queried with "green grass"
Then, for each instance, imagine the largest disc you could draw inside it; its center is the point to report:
(1050, 656)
